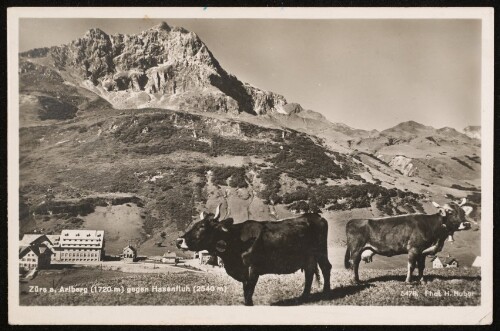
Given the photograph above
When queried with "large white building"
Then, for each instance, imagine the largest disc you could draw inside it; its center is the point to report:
(79, 246)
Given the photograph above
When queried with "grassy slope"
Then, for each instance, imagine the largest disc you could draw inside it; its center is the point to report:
(382, 288)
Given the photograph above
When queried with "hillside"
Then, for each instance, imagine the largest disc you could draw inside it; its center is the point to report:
(137, 134)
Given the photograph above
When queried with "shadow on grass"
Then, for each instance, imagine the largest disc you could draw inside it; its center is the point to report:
(427, 278)
(336, 293)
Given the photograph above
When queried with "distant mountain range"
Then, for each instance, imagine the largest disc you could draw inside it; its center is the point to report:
(170, 67)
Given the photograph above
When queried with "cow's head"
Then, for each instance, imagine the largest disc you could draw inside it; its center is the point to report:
(455, 216)
(207, 234)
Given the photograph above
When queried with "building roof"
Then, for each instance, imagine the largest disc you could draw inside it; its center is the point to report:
(54, 239)
(34, 242)
(477, 262)
(23, 250)
(81, 238)
(130, 247)
(38, 249)
(31, 238)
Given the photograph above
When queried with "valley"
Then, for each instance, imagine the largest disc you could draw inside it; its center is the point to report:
(140, 145)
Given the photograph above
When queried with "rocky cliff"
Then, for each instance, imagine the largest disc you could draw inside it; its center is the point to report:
(165, 67)
(473, 132)
(404, 165)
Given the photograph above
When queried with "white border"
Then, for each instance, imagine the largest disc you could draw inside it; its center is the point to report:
(307, 315)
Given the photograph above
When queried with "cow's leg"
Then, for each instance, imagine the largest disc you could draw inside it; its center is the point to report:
(356, 259)
(248, 289)
(412, 260)
(421, 267)
(309, 275)
(326, 268)
(249, 286)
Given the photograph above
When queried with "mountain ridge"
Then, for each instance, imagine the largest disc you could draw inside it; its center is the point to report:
(153, 67)
(164, 67)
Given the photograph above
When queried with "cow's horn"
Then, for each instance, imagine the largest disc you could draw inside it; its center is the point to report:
(467, 210)
(464, 200)
(435, 204)
(217, 211)
(202, 215)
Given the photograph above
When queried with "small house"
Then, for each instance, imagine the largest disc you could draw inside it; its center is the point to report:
(444, 262)
(170, 257)
(202, 256)
(35, 256)
(129, 254)
(35, 252)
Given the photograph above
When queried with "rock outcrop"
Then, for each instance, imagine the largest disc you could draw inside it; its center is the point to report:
(473, 132)
(404, 165)
(164, 66)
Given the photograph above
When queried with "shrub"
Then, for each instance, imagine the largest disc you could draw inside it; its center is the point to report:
(354, 196)
(236, 176)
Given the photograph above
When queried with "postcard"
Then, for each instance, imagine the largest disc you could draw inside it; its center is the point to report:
(250, 165)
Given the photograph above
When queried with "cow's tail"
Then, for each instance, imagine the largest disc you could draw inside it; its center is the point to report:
(347, 259)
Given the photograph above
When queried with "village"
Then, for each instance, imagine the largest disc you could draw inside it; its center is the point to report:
(87, 248)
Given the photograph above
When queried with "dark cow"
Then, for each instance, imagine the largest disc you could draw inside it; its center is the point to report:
(416, 235)
(252, 248)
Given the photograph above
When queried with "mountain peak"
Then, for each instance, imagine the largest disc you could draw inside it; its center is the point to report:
(95, 32)
(410, 124)
(447, 129)
(411, 127)
(162, 26)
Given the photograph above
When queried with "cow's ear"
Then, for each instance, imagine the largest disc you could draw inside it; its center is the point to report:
(467, 210)
(225, 224)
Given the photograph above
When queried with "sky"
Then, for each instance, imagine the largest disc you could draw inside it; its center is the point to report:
(368, 74)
